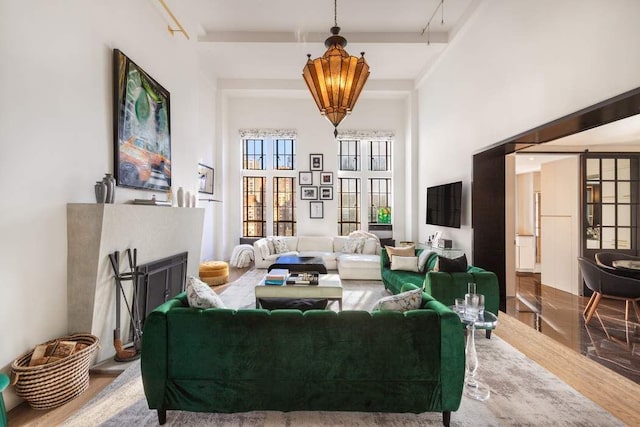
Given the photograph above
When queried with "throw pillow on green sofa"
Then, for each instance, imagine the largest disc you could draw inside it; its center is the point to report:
(200, 295)
(405, 263)
(449, 265)
(404, 301)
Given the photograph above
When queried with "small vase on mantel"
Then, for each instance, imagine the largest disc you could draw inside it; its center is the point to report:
(101, 191)
(180, 197)
(110, 183)
(187, 199)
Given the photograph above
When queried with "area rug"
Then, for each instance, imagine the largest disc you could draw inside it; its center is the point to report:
(522, 392)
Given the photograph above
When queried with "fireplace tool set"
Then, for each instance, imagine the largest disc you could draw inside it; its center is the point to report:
(133, 352)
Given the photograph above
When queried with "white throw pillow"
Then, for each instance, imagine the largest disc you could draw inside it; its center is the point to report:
(410, 300)
(200, 295)
(405, 263)
(271, 245)
(353, 246)
(280, 245)
(422, 260)
(263, 247)
(370, 246)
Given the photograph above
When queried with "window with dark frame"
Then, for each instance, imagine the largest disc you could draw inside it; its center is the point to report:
(349, 155)
(253, 213)
(283, 154)
(379, 155)
(379, 196)
(611, 202)
(253, 154)
(348, 205)
(284, 196)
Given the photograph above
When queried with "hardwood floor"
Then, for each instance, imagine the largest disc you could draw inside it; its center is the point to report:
(543, 323)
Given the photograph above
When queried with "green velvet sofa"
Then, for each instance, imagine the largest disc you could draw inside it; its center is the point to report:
(445, 287)
(223, 360)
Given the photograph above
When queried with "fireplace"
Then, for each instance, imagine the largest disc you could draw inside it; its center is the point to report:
(155, 283)
(96, 230)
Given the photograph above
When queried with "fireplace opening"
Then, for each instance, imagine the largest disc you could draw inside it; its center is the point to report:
(153, 284)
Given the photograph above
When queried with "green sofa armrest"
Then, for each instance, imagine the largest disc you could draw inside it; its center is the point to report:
(154, 360)
(452, 352)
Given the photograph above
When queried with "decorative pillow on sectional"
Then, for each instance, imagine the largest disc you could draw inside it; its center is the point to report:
(422, 260)
(401, 250)
(263, 247)
(271, 246)
(448, 265)
(410, 300)
(200, 295)
(370, 246)
(405, 263)
(353, 245)
(280, 245)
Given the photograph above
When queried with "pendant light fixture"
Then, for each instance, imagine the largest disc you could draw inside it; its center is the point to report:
(335, 79)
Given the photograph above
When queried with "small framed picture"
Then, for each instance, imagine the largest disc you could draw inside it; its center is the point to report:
(205, 179)
(316, 210)
(305, 178)
(326, 178)
(326, 193)
(309, 193)
(315, 160)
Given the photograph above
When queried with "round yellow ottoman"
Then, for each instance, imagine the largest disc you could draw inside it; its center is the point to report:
(214, 273)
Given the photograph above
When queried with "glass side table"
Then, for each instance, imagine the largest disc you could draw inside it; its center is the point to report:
(472, 387)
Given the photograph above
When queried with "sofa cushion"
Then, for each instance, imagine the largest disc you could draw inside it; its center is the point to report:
(280, 245)
(371, 246)
(200, 295)
(263, 248)
(405, 263)
(315, 244)
(448, 265)
(423, 257)
(401, 250)
(353, 245)
(404, 301)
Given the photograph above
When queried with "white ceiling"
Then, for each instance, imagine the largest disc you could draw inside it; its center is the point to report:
(269, 39)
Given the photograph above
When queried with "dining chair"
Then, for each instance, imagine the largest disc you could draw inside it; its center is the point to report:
(605, 259)
(605, 284)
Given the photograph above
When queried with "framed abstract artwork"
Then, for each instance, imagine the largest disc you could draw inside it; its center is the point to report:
(141, 127)
(309, 193)
(326, 193)
(205, 179)
(316, 210)
(305, 178)
(315, 161)
(326, 178)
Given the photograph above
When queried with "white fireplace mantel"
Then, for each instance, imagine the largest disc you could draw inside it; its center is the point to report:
(96, 230)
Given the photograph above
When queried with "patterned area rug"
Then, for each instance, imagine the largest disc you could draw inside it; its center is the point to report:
(522, 392)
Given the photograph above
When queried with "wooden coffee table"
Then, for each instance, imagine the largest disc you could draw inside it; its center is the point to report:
(329, 287)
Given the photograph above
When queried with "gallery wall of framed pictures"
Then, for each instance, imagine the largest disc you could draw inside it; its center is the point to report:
(316, 194)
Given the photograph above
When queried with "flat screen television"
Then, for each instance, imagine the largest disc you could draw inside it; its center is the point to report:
(443, 204)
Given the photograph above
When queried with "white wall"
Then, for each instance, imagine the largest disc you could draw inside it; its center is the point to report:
(56, 138)
(560, 224)
(314, 135)
(517, 65)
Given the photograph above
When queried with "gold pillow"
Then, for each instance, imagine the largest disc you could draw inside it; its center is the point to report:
(401, 251)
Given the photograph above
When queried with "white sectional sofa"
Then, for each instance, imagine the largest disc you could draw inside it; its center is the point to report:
(363, 264)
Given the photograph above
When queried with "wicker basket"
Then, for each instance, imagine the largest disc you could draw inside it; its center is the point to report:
(54, 384)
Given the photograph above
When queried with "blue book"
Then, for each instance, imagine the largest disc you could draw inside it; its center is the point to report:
(274, 282)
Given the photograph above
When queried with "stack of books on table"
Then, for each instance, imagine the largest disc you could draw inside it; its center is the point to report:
(307, 278)
(277, 276)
